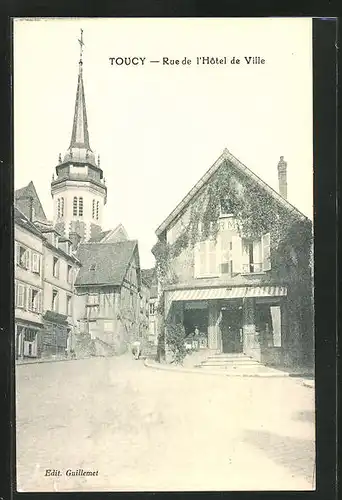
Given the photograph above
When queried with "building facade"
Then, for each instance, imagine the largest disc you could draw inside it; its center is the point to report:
(29, 262)
(233, 263)
(45, 271)
(108, 289)
(59, 275)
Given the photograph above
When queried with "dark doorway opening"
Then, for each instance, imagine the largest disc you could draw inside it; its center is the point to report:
(231, 328)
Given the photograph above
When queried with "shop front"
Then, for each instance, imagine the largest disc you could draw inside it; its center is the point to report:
(55, 338)
(27, 339)
(249, 320)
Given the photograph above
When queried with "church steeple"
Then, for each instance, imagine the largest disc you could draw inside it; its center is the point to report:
(79, 149)
(79, 192)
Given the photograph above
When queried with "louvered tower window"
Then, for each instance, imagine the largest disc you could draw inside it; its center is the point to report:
(80, 206)
(97, 210)
(75, 206)
(93, 212)
(58, 207)
(62, 207)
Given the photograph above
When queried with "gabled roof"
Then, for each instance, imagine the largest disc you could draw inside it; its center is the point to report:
(23, 221)
(22, 198)
(147, 276)
(240, 167)
(119, 233)
(104, 263)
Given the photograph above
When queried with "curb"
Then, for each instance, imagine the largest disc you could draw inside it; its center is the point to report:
(50, 361)
(209, 372)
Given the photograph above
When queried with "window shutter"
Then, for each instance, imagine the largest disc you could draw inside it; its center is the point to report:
(39, 302)
(266, 252)
(27, 259)
(211, 247)
(30, 305)
(34, 262)
(197, 262)
(237, 253)
(203, 258)
(17, 253)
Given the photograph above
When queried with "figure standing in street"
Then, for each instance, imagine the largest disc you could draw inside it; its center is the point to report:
(136, 349)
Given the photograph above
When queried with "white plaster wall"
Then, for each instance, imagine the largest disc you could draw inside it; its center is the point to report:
(89, 193)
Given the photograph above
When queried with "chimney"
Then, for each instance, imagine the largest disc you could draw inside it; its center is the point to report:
(282, 177)
(75, 239)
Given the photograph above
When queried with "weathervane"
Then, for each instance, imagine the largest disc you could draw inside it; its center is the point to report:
(80, 41)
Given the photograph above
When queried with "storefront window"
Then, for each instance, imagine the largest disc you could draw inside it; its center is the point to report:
(268, 324)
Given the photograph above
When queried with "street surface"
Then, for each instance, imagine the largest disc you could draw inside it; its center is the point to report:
(149, 430)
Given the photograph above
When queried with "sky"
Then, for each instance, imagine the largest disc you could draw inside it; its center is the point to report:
(158, 128)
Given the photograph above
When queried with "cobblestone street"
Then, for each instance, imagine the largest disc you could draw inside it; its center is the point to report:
(151, 430)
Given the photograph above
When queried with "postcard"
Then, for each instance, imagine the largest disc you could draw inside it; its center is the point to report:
(163, 213)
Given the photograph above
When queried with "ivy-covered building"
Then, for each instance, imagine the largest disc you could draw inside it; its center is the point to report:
(233, 263)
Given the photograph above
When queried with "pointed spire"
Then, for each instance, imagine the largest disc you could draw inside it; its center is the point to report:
(79, 148)
(80, 134)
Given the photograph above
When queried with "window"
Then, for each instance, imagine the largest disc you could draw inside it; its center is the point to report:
(35, 263)
(69, 275)
(93, 210)
(30, 335)
(55, 267)
(97, 210)
(23, 256)
(151, 309)
(62, 207)
(34, 300)
(206, 259)
(69, 310)
(80, 206)
(226, 207)
(54, 305)
(20, 292)
(58, 208)
(93, 299)
(268, 324)
(256, 255)
(74, 210)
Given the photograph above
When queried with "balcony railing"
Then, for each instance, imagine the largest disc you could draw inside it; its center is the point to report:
(255, 267)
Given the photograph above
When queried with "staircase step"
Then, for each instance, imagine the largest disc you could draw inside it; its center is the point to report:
(251, 363)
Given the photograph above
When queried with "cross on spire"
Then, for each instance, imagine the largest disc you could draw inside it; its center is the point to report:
(80, 41)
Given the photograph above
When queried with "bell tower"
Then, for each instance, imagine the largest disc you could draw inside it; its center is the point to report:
(78, 191)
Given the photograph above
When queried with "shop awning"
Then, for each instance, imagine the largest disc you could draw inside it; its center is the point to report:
(227, 293)
(266, 291)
